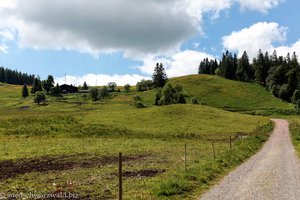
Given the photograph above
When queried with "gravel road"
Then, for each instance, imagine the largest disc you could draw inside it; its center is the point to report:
(273, 173)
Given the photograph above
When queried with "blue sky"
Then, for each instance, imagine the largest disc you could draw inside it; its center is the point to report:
(121, 40)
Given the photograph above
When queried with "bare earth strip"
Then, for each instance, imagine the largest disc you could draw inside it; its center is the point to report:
(273, 173)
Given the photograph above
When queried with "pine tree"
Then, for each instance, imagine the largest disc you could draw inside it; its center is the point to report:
(159, 76)
(85, 87)
(25, 91)
(48, 84)
(36, 85)
(57, 90)
(244, 70)
(258, 64)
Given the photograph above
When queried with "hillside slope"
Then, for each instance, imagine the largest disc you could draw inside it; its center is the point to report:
(218, 92)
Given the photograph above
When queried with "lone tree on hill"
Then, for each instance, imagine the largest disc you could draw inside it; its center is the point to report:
(112, 86)
(127, 88)
(39, 97)
(25, 91)
(159, 76)
(85, 87)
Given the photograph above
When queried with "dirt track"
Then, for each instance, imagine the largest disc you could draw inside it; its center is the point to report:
(273, 173)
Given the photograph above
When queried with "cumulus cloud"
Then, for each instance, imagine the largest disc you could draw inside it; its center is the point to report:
(130, 26)
(182, 63)
(3, 48)
(262, 6)
(5, 35)
(284, 50)
(101, 79)
(261, 35)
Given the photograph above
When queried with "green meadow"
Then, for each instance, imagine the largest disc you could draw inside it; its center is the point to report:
(71, 143)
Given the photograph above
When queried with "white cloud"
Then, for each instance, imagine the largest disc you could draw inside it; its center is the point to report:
(3, 48)
(262, 6)
(101, 79)
(130, 26)
(284, 50)
(182, 63)
(261, 35)
(5, 35)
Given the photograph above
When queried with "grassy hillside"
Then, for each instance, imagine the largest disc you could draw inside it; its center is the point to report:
(226, 94)
(70, 138)
(233, 95)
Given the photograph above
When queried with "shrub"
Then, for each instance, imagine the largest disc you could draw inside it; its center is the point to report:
(127, 88)
(195, 101)
(296, 96)
(39, 97)
(94, 94)
(137, 98)
(169, 95)
(103, 93)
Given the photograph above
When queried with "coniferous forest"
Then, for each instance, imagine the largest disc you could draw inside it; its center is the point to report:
(280, 75)
(15, 77)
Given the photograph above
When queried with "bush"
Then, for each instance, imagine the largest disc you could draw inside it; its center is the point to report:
(127, 88)
(144, 85)
(103, 93)
(94, 94)
(138, 102)
(296, 96)
(169, 95)
(284, 92)
(195, 101)
(137, 98)
(112, 86)
(39, 97)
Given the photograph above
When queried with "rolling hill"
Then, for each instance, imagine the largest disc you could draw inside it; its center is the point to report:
(215, 91)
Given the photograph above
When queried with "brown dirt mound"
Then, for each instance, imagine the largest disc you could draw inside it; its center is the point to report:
(13, 168)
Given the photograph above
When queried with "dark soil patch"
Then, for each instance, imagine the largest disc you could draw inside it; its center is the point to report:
(13, 168)
(24, 107)
(143, 173)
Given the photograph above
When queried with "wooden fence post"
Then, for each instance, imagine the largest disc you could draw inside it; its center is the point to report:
(213, 147)
(120, 176)
(185, 157)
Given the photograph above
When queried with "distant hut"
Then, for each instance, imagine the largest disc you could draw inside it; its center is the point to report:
(65, 89)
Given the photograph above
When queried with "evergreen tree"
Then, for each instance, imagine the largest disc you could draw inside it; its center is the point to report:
(25, 91)
(159, 76)
(14, 77)
(244, 70)
(85, 86)
(48, 84)
(208, 67)
(36, 85)
(57, 90)
(228, 66)
(259, 67)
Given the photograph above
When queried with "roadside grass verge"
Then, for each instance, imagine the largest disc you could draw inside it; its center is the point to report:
(295, 132)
